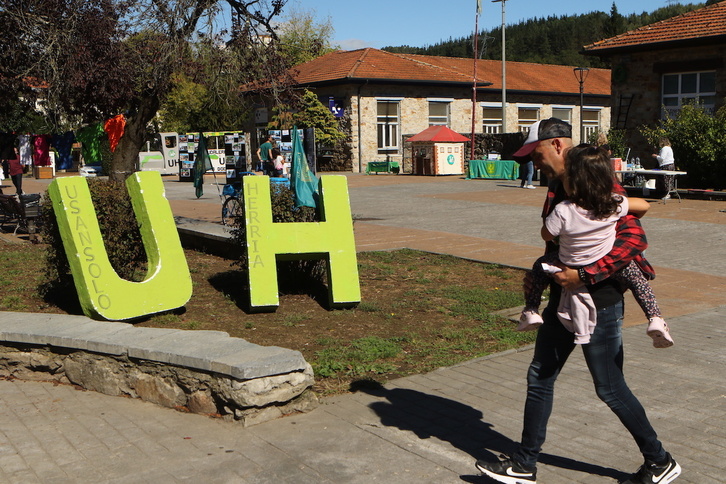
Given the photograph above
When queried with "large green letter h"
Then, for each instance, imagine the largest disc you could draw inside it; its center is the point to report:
(331, 239)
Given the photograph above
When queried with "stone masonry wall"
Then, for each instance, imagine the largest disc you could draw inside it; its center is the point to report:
(247, 401)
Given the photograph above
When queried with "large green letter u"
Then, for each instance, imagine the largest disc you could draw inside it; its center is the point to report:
(102, 293)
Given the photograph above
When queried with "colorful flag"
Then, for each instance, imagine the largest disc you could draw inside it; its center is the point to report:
(303, 182)
(202, 163)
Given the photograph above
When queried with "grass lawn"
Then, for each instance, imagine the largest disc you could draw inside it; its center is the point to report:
(419, 311)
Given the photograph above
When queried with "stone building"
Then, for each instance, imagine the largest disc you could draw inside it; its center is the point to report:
(662, 66)
(387, 97)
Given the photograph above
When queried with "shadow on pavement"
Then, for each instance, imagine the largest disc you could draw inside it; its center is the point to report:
(459, 424)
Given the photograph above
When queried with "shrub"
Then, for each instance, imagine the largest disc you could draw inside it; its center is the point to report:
(119, 229)
(296, 275)
(698, 138)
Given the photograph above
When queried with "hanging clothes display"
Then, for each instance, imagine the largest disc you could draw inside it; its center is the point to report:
(91, 137)
(25, 149)
(63, 144)
(41, 150)
(114, 128)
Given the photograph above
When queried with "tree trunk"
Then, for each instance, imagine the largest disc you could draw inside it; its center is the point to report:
(126, 157)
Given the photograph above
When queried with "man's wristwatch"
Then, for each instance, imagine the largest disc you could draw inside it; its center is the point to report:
(582, 274)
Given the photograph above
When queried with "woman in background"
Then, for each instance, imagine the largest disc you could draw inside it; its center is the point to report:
(666, 161)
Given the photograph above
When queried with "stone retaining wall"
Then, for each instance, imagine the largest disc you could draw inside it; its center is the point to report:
(208, 372)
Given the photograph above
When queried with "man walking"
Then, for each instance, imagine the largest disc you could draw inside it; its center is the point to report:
(546, 145)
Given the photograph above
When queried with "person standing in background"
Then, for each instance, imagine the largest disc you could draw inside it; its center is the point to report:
(264, 154)
(666, 161)
(526, 171)
(15, 171)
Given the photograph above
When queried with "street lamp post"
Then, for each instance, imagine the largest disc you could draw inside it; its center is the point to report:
(581, 74)
(504, 68)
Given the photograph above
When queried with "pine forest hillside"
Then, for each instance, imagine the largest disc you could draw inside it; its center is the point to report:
(552, 40)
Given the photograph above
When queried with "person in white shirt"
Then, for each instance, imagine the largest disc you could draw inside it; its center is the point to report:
(666, 161)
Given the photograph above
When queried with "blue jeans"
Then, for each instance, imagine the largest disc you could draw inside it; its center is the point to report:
(604, 357)
(526, 172)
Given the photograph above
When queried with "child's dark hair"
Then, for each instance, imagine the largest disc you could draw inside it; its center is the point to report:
(275, 152)
(590, 177)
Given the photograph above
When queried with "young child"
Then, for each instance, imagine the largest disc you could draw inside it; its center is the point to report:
(585, 225)
(277, 162)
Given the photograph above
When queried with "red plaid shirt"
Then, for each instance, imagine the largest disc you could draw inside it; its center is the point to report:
(630, 241)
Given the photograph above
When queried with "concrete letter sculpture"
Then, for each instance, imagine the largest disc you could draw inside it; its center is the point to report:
(332, 239)
(102, 293)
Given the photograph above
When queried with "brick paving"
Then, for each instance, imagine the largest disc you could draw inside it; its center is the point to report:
(424, 428)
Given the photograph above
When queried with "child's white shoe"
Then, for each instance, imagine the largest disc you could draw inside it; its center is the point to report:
(658, 330)
(529, 321)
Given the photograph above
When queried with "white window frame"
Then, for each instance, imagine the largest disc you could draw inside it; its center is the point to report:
(387, 132)
(682, 98)
(570, 108)
(491, 125)
(524, 124)
(440, 120)
(589, 126)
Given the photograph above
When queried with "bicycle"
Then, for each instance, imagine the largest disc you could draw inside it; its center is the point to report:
(232, 207)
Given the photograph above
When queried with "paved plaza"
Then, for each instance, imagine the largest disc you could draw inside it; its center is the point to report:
(424, 428)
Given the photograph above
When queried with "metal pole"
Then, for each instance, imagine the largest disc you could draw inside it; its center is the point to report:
(473, 93)
(504, 65)
(582, 125)
(581, 74)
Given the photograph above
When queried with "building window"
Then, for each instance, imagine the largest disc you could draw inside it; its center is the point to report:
(527, 117)
(492, 119)
(438, 113)
(590, 123)
(563, 113)
(689, 88)
(388, 126)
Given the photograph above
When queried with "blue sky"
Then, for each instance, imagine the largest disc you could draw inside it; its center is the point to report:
(378, 23)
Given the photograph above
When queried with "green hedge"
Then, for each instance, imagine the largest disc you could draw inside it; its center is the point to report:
(119, 229)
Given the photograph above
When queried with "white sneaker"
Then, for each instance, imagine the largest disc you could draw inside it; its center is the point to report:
(529, 321)
(530, 186)
(658, 330)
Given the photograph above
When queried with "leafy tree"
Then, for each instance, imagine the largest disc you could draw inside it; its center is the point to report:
(308, 112)
(184, 103)
(698, 138)
(96, 58)
(302, 38)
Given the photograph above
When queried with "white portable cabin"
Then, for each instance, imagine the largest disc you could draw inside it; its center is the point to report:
(438, 150)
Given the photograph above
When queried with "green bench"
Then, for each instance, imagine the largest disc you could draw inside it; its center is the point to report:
(383, 167)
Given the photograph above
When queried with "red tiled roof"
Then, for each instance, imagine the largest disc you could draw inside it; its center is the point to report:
(525, 76)
(704, 23)
(439, 134)
(374, 64)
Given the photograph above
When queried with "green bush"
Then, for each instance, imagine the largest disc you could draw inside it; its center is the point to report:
(119, 229)
(293, 276)
(698, 138)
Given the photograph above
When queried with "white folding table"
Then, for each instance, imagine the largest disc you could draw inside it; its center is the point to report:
(675, 174)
